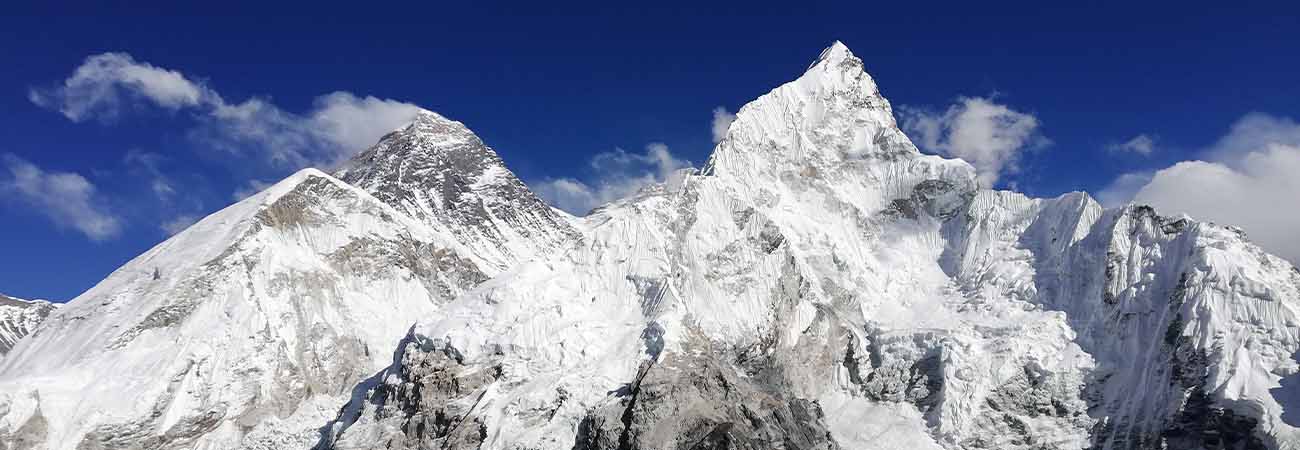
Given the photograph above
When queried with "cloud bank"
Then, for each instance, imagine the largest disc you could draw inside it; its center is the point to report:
(1249, 178)
(990, 136)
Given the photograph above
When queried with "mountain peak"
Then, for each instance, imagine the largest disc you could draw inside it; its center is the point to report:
(833, 55)
(428, 126)
(425, 118)
(832, 112)
(439, 172)
(838, 68)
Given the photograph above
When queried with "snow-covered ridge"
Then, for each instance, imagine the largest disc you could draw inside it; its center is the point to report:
(18, 317)
(821, 277)
(246, 330)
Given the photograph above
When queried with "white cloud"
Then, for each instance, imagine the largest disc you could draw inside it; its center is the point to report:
(1253, 132)
(1141, 144)
(338, 125)
(568, 194)
(987, 135)
(1247, 179)
(619, 174)
(67, 199)
(1122, 190)
(721, 122)
(178, 224)
(103, 82)
(355, 123)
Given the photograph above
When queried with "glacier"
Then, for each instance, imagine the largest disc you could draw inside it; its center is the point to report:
(819, 284)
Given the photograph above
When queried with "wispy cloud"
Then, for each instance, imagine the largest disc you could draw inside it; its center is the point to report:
(338, 125)
(618, 174)
(1141, 144)
(721, 123)
(990, 136)
(67, 199)
(1245, 179)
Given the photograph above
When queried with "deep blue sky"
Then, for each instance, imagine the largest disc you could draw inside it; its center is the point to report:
(549, 88)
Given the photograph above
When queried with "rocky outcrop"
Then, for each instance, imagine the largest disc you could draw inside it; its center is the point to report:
(694, 401)
(424, 400)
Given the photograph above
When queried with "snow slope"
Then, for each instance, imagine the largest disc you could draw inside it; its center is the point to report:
(244, 331)
(18, 318)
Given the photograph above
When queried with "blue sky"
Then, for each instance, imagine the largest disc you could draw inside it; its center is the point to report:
(554, 90)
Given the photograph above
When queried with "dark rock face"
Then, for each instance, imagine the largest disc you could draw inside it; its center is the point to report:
(439, 172)
(30, 434)
(697, 402)
(1006, 412)
(941, 199)
(423, 394)
(1199, 424)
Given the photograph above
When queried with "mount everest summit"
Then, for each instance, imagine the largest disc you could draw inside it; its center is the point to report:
(819, 284)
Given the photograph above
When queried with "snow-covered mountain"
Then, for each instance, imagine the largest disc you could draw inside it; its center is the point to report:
(437, 171)
(250, 328)
(18, 317)
(820, 284)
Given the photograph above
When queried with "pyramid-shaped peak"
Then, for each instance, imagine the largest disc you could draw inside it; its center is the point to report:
(837, 68)
(439, 172)
(428, 122)
(427, 116)
(832, 112)
(837, 60)
(835, 55)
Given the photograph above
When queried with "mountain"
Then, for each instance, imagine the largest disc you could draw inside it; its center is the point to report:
(819, 284)
(18, 318)
(250, 328)
(822, 284)
(437, 171)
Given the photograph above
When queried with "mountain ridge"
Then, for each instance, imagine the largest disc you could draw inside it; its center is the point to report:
(19, 317)
(821, 283)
